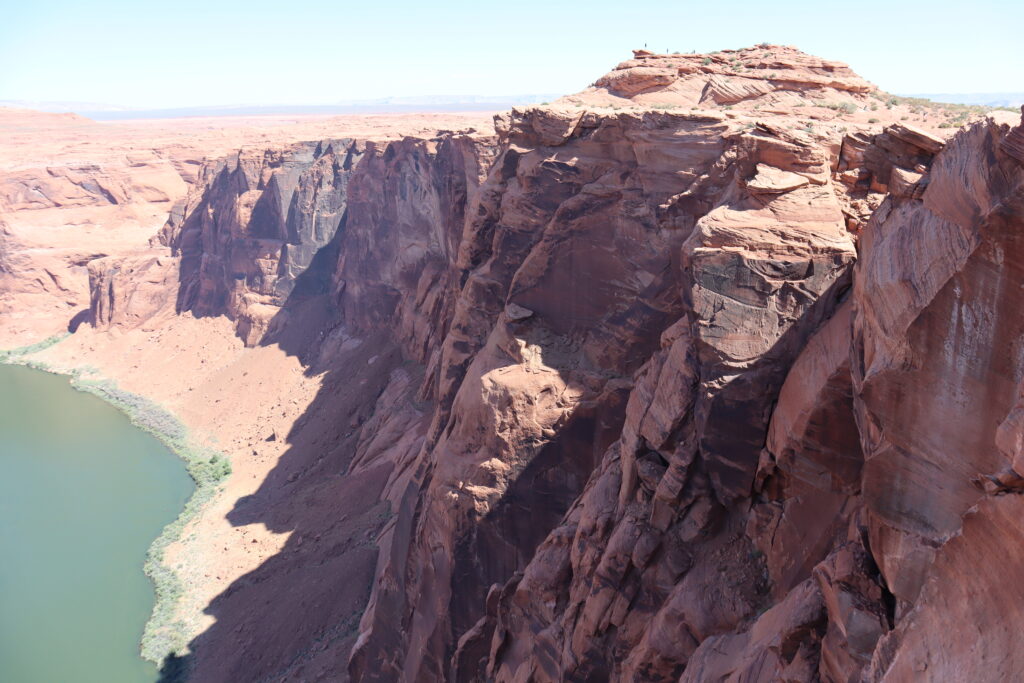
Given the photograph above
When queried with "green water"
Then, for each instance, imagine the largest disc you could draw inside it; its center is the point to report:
(82, 495)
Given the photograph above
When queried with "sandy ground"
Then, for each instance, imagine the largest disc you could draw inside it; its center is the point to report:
(233, 399)
(241, 401)
(72, 189)
(31, 139)
(54, 219)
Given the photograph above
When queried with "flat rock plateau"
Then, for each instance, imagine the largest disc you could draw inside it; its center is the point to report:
(712, 371)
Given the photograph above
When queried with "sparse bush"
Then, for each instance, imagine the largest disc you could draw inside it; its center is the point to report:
(163, 636)
(872, 120)
(845, 107)
(11, 354)
(920, 104)
(208, 468)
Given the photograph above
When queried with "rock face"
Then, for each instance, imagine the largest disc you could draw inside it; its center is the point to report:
(73, 190)
(657, 394)
(615, 260)
(941, 347)
(729, 77)
(883, 438)
(264, 225)
(131, 291)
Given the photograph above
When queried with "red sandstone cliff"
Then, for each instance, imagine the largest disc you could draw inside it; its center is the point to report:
(73, 190)
(728, 390)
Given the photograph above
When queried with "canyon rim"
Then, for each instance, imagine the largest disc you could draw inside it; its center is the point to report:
(711, 371)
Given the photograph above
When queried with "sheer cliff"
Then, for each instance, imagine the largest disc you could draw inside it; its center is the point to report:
(73, 190)
(700, 374)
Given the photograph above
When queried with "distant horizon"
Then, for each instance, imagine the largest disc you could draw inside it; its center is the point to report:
(395, 105)
(193, 53)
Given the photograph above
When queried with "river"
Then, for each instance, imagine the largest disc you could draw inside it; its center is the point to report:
(83, 493)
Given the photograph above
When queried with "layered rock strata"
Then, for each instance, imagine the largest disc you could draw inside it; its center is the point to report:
(73, 190)
(654, 394)
(881, 460)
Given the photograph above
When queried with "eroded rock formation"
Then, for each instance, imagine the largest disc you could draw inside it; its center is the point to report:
(655, 394)
(73, 190)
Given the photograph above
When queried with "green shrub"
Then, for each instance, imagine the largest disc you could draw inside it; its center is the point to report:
(845, 107)
(12, 354)
(163, 635)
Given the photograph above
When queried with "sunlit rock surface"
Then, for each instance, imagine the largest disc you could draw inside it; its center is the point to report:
(709, 372)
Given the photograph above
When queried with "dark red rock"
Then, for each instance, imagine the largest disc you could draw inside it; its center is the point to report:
(662, 425)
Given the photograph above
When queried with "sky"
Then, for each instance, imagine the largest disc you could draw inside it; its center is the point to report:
(172, 53)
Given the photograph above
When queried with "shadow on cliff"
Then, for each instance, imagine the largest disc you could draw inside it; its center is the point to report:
(78, 319)
(296, 615)
(298, 611)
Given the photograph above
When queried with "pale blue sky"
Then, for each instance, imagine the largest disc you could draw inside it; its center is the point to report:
(158, 53)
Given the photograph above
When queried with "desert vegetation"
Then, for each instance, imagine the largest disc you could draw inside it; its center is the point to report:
(164, 634)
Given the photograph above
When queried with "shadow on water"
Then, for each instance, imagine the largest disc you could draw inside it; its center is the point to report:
(174, 669)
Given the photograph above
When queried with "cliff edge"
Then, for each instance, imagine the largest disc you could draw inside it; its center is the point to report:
(708, 372)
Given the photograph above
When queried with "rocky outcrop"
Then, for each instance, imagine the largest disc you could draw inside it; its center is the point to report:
(655, 394)
(612, 259)
(73, 190)
(244, 235)
(895, 161)
(729, 77)
(129, 291)
(862, 488)
(1013, 143)
(263, 225)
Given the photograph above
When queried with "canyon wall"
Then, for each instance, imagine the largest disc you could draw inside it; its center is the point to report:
(73, 191)
(714, 391)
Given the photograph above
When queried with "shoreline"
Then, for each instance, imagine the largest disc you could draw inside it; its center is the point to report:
(163, 636)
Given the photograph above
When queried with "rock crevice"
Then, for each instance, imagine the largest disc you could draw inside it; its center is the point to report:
(667, 395)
